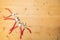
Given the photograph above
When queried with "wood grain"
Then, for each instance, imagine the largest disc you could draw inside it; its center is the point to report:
(42, 15)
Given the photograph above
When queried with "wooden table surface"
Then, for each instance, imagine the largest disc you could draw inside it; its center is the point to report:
(42, 15)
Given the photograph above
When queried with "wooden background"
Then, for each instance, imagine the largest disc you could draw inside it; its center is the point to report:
(42, 15)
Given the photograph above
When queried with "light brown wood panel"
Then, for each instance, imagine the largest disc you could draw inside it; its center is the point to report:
(42, 15)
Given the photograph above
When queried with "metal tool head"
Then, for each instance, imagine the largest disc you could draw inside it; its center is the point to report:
(14, 14)
(17, 19)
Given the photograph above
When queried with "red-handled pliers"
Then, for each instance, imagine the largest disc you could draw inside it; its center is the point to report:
(26, 27)
(14, 26)
(8, 17)
(22, 31)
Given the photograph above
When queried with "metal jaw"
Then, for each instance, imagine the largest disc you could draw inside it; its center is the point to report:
(25, 25)
(14, 14)
(17, 19)
(19, 24)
